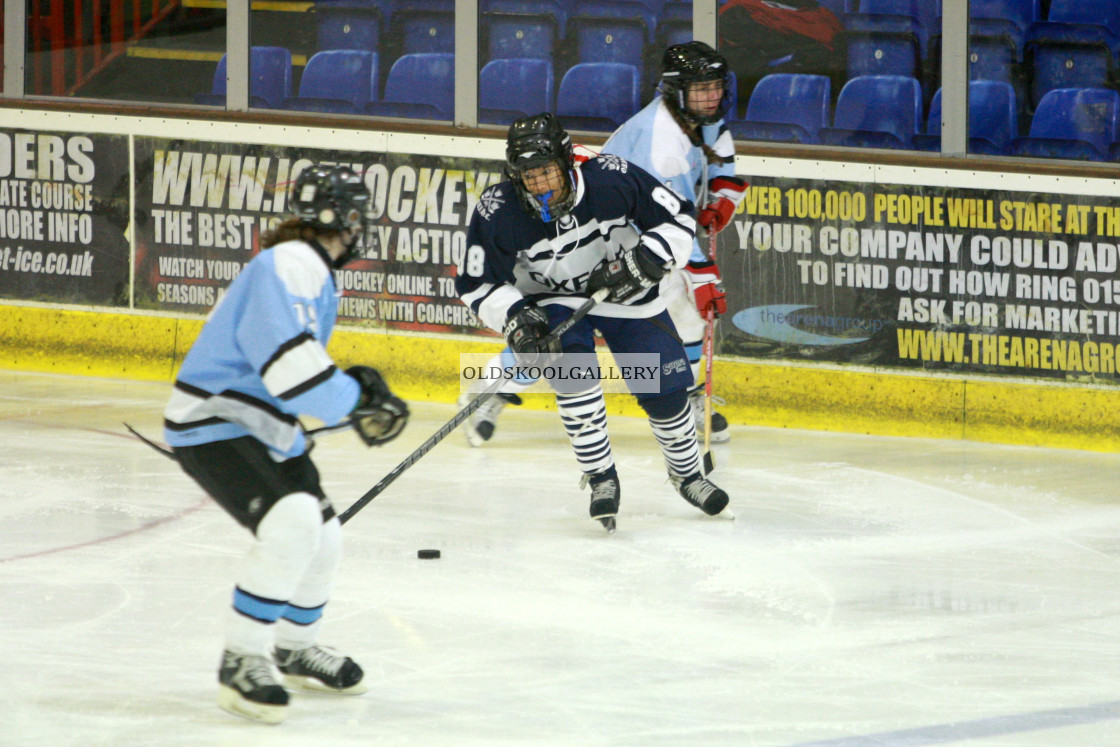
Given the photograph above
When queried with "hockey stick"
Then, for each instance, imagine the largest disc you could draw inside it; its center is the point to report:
(709, 459)
(348, 423)
(463, 414)
(166, 452)
(709, 344)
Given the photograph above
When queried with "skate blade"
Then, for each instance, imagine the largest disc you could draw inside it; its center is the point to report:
(608, 523)
(726, 513)
(312, 685)
(230, 701)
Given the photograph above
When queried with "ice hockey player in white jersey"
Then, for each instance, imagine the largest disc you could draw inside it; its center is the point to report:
(540, 244)
(681, 139)
(259, 362)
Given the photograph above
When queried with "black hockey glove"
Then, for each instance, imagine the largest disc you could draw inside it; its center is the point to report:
(379, 416)
(629, 275)
(527, 333)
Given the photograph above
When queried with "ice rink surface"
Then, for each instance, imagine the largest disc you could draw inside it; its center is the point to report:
(872, 591)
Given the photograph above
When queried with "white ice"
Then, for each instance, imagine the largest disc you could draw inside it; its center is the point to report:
(872, 591)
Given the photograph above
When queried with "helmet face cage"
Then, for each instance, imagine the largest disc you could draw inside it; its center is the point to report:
(694, 62)
(334, 198)
(534, 142)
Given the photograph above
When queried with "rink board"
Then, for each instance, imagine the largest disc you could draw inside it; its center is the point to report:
(150, 347)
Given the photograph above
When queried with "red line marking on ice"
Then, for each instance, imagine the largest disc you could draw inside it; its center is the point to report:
(112, 537)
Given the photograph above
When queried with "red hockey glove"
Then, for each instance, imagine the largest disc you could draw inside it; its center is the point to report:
(726, 192)
(706, 287)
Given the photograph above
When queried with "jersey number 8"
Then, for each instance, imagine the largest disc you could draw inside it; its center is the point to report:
(473, 261)
(666, 199)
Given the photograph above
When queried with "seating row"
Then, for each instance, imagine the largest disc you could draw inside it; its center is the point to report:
(1076, 45)
(885, 111)
(882, 111)
(564, 32)
(422, 86)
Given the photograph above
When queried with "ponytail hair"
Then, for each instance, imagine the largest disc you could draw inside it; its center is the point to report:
(694, 137)
(292, 229)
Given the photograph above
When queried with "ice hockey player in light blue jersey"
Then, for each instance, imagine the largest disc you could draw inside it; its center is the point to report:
(681, 139)
(232, 422)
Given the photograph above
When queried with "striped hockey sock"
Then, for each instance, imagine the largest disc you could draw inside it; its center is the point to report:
(677, 437)
(584, 416)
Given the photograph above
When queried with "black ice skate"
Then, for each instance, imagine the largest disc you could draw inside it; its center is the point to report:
(319, 669)
(720, 433)
(480, 426)
(702, 493)
(249, 688)
(605, 497)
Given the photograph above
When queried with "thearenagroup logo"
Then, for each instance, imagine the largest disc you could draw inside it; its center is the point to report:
(794, 325)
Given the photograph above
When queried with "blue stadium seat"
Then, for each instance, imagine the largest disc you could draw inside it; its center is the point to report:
(996, 36)
(270, 79)
(674, 26)
(420, 86)
(350, 24)
(598, 96)
(886, 37)
(994, 59)
(1002, 22)
(342, 81)
(1075, 123)
(877, 53)
(424, 26)
(733, 86)
(786, 107)
(993, 119)
(520, 28)
(610, 31)
(1076, 47)
(876, 111)
(512, 88)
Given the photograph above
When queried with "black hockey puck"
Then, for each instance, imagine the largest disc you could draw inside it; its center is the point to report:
(427, 554)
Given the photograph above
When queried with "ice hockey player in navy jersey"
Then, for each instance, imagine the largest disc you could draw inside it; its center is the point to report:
(681, 139)
(540, 244)
(259, 363)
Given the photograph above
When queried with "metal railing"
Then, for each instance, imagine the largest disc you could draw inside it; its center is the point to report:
(71, 42)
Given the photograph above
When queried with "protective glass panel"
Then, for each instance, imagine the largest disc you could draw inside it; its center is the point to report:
(855, 73)
(1042, 78)
(594, 63)
(382, 58)
(157, 51)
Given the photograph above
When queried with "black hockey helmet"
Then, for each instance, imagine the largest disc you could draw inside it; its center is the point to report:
(533, 142)
(688, 63)
(333, 198)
